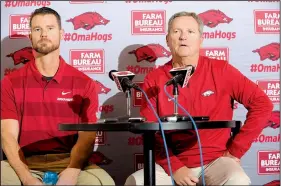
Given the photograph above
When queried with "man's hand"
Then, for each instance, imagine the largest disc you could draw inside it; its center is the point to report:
(184, 176)
(227, 154)
(32, 181)
(68, 176)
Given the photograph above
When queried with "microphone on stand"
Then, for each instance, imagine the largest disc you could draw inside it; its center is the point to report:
(123, 80)
(181, 76)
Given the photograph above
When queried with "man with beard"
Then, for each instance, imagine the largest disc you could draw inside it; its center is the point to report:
(211, 91)
(35, 99)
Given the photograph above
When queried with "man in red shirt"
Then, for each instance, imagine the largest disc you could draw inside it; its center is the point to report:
(211, 91)
(34, 100)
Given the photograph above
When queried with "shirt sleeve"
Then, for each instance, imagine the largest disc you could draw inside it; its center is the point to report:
(8, 105)
(255, 101)
(90, 103)
(146, 111)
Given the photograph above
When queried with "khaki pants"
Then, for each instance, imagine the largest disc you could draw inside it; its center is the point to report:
(222, 171)
(90, 175)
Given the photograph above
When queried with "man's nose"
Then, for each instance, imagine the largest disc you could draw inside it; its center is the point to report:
(43, 33)
(183, 36)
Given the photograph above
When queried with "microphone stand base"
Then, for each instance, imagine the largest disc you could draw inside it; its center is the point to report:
(179, 118)
(122, 119)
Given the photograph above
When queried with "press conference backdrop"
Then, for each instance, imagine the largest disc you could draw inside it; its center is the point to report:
(130, 35)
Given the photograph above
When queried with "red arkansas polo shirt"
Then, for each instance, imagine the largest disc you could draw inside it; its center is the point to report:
(39, 106)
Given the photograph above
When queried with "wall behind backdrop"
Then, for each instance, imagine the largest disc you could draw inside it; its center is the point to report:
(105, 35)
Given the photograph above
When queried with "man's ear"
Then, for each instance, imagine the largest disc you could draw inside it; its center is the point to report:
(62, 34)
(167, 40)
(201, 40)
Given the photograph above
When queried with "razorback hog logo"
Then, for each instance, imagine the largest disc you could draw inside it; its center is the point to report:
(99, 159)
(101, 89)
(150, 52)
(273, 183)
(87, 20)
(274, 120)
(212, 18)
(270, 51)
(23, 55)
(9, 71)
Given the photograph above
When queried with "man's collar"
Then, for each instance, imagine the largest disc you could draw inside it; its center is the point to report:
(58, 76)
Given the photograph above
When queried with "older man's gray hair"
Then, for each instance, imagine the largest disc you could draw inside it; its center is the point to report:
(191, 14)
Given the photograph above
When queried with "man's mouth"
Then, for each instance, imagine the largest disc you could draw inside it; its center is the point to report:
(43, 41)
(183, 45)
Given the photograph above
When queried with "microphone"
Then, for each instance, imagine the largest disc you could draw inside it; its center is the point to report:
(181, 75)
(123, 80)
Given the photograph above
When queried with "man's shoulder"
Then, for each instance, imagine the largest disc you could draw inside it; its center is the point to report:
(17, 73)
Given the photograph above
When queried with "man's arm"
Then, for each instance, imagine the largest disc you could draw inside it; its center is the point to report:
(82, 149)
(10, 133)
(11, 148)
(255, 101)
(86, 140)
(152, 90)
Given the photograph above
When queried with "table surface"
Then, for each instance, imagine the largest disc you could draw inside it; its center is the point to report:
(146, 126)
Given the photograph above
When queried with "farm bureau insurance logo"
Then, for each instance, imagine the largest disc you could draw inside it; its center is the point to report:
(148, 22)
(216, 18)
(271, 89)
(90, 61)
(19, 26)
(100, 138)
(138, 157)
(268, 162)
(137, 95)
(11, 4)
(85, 22)
(267, 53)
(220, 53)
(267, 21)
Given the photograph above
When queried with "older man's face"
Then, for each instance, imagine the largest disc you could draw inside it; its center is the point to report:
(184, 38)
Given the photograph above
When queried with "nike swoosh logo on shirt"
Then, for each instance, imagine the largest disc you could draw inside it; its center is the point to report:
(64, 93)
